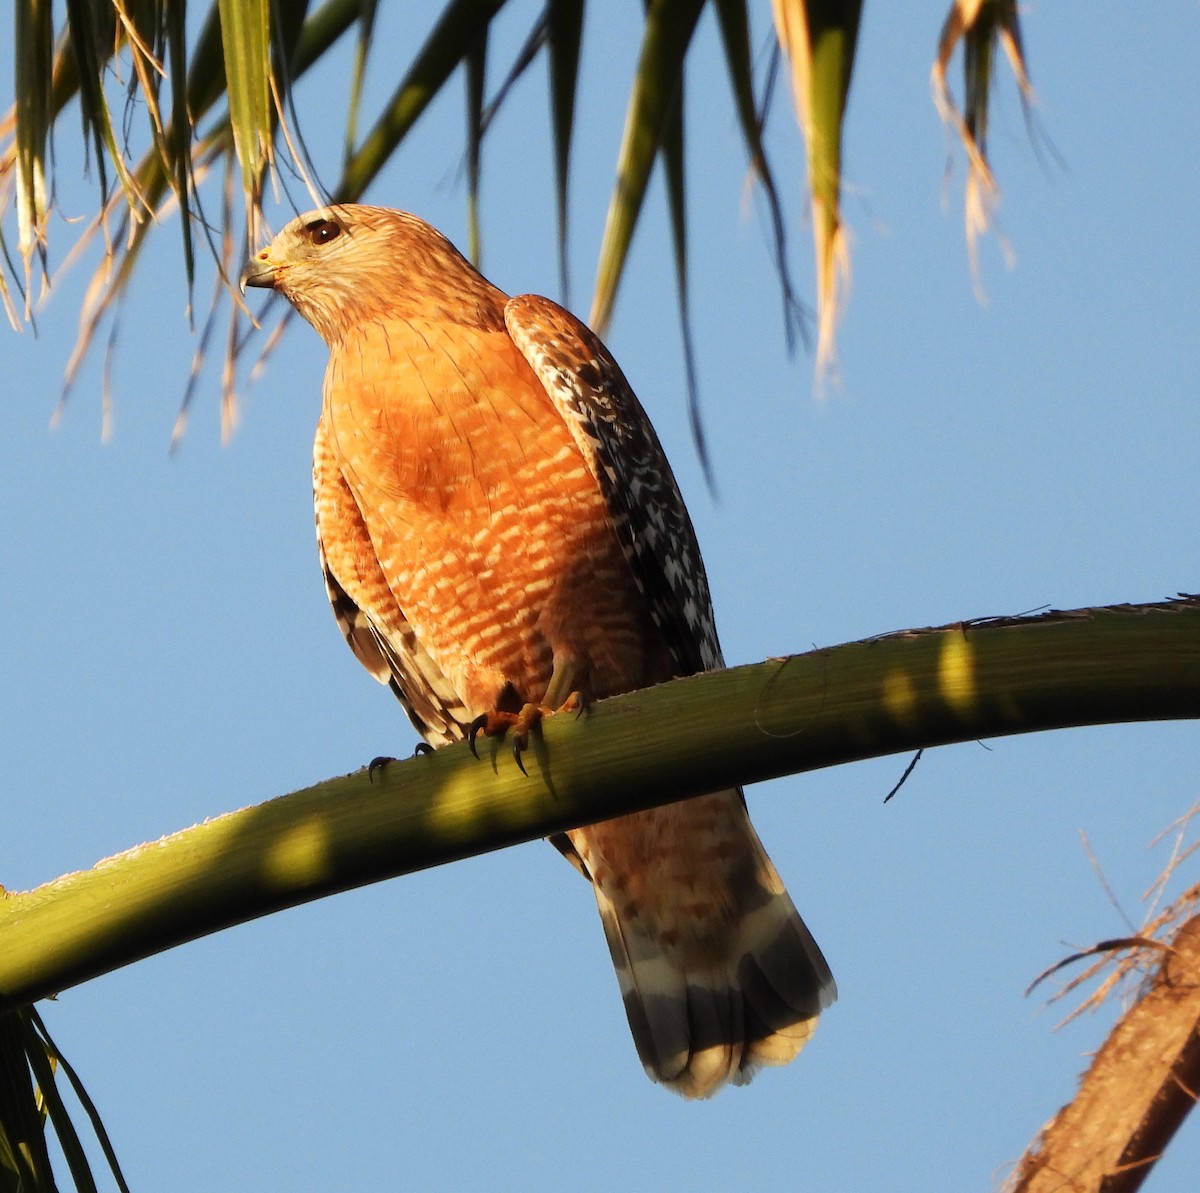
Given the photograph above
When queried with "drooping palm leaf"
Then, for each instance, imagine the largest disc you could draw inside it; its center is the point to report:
(358, 74)
(87, 25)
(668, 29)
(457, 37)
(176, 136)
(457, 30)
(246, 38)
(819, 37)
(564, 35)
(250, 53)
(980, 25)
(157, 173)
(735, 37)
(476, 76)
(30, 1099)
(33, 51)
(24, 1160)
(673, 170)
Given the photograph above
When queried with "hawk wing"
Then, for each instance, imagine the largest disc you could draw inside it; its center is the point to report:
(367, 614)
(623, 453)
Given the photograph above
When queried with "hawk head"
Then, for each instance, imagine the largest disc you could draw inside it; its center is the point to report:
(347, 263)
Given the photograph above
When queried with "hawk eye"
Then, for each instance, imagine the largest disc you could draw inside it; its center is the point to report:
(322, 231)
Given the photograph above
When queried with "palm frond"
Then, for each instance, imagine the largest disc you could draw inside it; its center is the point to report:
(33, 50)
(448, 44)
(564, 32)
(980, 25)
(668, 30)
(476, 76)
(246, 38)
(673, 169)
(358, 74)
(819, 38)
(735, 37)
(153, 122)
(30, 1064)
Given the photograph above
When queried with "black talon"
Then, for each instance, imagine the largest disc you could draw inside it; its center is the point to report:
(519, 748)
(377, 764)
(422, 747)
(474, 729)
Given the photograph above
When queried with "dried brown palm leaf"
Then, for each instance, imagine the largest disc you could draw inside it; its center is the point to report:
(1140, 1086)
(1144, 1080)
(1130, 955)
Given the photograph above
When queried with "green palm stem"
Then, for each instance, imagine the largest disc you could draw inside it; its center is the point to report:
(782, 716)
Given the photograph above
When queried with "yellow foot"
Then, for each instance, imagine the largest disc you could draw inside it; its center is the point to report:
(497, 724)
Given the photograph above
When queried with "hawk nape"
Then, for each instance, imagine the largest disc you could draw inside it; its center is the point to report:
(500, 531)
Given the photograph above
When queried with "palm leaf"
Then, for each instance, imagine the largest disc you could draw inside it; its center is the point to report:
(33, 52)
(24, 1160)
(735, 37)
(85, 34)
(449, 43)
(819, 38)
(673, 169)
(246, 38)
(476, 77)
(30, 1063)
(177, 137)
(980, 25)
(80, 1091)
(366, 27)
(251, 52)
(668, 31)
(147, 184)
(564, 31)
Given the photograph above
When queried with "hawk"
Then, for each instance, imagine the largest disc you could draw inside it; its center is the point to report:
(500, 533)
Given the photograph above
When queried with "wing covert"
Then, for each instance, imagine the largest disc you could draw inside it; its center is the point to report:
(623, 453)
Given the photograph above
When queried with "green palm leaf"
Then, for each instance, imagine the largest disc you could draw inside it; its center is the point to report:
(668, 29)
(251, 53)
(30, 1064)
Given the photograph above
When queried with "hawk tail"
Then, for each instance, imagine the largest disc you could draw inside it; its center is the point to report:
(714, 1008)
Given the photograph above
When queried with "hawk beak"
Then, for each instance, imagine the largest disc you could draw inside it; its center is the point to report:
(258, 271)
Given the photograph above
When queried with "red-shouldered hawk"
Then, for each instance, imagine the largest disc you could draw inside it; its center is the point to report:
(499, 528)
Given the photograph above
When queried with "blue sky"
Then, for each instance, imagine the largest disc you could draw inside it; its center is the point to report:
(169, 654)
